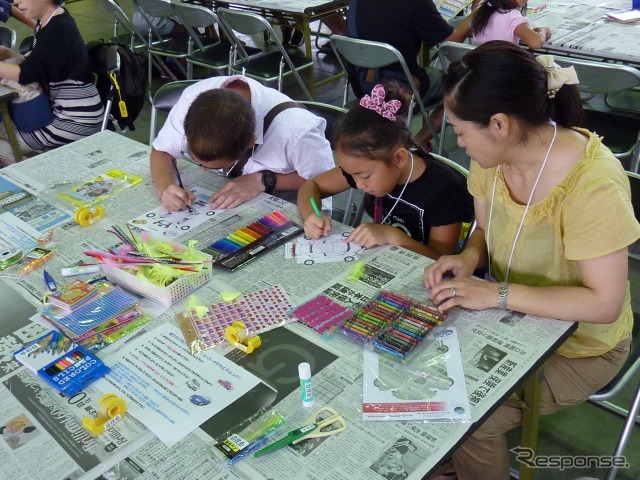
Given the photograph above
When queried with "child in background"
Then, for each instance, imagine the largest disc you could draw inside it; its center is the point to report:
(503, 20)
(417, 202)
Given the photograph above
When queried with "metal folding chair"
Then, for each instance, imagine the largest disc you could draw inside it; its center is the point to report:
(621, 132)
(163, 101)
(369, 54)
(449, 52)
(8, 37)
(270, 65)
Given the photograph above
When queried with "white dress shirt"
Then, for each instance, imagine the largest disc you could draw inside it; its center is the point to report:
(295, 141)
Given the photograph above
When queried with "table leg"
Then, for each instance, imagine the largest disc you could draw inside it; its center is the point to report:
(4, 111)
(530, 421)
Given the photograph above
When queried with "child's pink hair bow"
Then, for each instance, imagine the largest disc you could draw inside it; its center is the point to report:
(376, 102)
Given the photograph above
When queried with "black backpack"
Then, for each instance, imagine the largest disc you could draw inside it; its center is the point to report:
(126, 85)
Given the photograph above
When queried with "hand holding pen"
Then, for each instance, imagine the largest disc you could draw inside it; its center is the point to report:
(176, 197)
(316, 225)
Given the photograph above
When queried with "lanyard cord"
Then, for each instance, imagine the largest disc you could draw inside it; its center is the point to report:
(399, 196)
(493, 195)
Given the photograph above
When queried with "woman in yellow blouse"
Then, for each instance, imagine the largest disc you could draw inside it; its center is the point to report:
(554, 220)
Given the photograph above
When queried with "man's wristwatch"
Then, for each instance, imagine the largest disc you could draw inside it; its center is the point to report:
(502, 296)
(268, 180)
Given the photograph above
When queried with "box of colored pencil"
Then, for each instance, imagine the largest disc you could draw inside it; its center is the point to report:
(396, 324)
(72, 372)
(257, 238)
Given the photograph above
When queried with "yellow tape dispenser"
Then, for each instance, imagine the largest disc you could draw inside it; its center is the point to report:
(111, 411)
(236, 335)
(86, 216)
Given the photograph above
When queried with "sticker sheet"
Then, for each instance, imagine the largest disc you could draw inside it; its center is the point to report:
(259, 311)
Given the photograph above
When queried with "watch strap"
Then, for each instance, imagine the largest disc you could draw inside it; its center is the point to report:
(502, 296)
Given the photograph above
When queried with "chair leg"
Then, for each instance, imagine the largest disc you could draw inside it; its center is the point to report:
(152, 125)
(626, 433)
(280, 74)
(635, 160)
(442, 132)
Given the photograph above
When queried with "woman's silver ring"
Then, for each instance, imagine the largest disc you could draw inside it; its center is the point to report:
(453, 292)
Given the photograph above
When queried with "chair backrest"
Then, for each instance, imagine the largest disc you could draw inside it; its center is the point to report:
(247, 23)
(194, 17)
(155, 8)
(366, 53)
(8, 37)
(330, 113)
(449, 52)
(600, 77)
(164, 100)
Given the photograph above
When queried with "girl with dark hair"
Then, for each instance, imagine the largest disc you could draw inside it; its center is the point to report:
(59, 62)
(503, 20)
(416, 202)
(554, 220)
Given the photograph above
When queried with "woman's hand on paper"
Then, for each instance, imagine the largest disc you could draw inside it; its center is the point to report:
(460, 266)
(175, 198)
(471, 293)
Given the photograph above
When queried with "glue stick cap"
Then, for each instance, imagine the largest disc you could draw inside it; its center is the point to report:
(304, 370)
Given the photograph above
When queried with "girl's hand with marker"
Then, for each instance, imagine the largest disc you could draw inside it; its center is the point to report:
(370, 235)
(316, 227)
(175, 198)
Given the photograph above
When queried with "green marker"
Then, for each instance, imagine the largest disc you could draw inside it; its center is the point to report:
(315, 208)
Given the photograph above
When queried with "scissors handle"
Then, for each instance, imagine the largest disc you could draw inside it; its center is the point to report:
(288, 440)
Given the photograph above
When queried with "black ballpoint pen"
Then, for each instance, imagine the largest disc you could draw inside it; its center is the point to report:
(175, 168)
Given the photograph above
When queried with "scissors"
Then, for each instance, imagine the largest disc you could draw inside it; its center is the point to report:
(324, 423)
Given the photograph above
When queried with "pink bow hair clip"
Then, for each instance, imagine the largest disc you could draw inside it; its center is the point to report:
(376, 102)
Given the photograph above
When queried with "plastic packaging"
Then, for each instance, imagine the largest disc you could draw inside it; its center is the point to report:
(306, 387)
(248, 436)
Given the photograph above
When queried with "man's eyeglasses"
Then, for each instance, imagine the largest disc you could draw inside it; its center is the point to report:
(223, 172)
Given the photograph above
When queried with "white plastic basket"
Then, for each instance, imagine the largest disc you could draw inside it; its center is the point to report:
(166, 296)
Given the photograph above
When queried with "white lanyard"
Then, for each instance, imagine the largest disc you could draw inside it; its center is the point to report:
(401, 192)
(493, 195)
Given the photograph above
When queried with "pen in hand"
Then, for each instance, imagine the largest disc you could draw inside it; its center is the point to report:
(175, 168)
(315, 207)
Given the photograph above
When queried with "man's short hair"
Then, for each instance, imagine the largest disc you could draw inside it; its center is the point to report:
(220, 124)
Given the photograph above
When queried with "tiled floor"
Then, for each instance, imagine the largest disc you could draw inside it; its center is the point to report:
(584, 430)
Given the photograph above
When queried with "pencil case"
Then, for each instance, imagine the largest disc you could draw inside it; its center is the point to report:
(73, 371)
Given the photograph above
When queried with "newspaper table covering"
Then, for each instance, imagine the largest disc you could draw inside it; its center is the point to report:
(498, 348)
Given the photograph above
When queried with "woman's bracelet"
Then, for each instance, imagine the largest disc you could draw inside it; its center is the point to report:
(502, 296)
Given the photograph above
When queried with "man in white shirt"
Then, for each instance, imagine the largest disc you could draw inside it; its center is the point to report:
(218, 123)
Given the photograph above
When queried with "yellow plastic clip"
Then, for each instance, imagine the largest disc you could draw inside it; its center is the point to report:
(121, 105)
(112, 410)
(236, 335)
(86, 216)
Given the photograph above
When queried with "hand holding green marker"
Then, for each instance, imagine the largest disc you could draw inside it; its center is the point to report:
(315, 208)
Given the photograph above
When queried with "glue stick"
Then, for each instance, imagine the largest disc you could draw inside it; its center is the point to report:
(304, 370)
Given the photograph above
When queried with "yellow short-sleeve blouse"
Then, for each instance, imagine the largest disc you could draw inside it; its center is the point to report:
(587, 215)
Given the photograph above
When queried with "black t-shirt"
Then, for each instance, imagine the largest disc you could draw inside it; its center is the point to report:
(437, 197)
(59, 54)
(404, 25)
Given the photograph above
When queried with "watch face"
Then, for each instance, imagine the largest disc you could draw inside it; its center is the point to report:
(268, 180)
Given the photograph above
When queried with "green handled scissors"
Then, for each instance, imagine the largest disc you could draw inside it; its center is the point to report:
(323, 423)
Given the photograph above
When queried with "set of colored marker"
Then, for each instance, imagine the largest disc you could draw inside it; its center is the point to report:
(73, 371)
(395, 323)
(321, 314)
(246, 243)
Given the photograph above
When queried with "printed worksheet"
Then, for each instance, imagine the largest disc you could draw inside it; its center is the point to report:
(331, 248)
(169, 390)
(161, 223)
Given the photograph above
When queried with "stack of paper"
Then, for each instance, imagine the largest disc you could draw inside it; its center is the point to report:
(624, 16)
